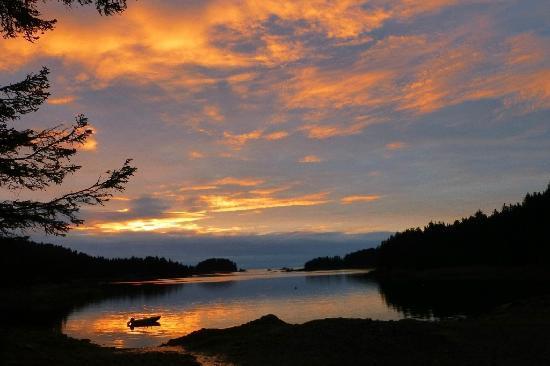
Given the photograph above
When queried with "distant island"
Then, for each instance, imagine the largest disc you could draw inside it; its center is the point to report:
(215, 265)
(509, 237)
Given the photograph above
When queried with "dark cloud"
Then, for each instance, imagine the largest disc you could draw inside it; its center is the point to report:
(253, 251)
(148, 206)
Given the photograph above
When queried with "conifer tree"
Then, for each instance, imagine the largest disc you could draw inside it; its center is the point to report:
(34, 160)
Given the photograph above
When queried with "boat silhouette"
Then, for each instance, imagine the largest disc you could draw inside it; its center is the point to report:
(145, 322)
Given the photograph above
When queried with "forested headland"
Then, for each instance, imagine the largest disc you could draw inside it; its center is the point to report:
(27, 262)
(517, 235)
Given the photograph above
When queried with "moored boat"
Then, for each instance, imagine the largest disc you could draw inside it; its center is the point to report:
(145, 322)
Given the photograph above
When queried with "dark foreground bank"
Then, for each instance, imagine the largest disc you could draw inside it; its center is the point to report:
(36, 346)
(513, 334)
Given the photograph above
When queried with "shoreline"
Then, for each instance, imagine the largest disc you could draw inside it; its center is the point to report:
(511, 334)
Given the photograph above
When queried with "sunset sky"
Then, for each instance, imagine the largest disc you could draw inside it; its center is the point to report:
(265, 117)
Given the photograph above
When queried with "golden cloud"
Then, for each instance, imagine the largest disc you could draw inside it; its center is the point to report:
(109, 47)
(312, 87)
(213, 112)
(277, 135)
(196, 155)
(237, 141)
(395, 145)
(320, 132)
(359, 198)
(177, 222)
(269, 191)
(207, 205)
(310, 159)
(62, 100)
(220, 203)
(204, 187)
(445, 69)
(244, 182)
(91, 142)
(526, 48)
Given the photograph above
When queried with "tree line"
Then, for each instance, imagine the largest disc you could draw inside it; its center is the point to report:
(517, 235)
(365, 258)
(24, 261)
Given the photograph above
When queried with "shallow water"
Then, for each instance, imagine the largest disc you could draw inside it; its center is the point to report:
(223, 301)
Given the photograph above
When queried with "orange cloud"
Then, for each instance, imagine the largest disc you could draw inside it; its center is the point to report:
(526, 48)
(269, 191)
(119, 198)
(280, 50)
(237, 141)
(277, 135)
(205, 187)
(421, 74)
(411, 8)
(91, 142)
(468, 72)
(320, 132)
(438, 81)
(359, 198)
(244, 182)
(310, 159)
(444, 68)
(335, 19)
(213, 113)
(142, 46)
(313, 87)
(62, 100)
(195, 155)
(396, 145)
(179, 222)
(219, 203)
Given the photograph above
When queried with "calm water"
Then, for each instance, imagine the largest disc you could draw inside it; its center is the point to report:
(223, 301)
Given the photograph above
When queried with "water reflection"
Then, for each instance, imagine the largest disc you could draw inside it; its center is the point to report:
(224, 301)
(294, 297)
(442, 299)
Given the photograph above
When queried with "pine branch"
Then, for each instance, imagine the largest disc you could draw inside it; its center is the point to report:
(25, 96)
(34, 160)
(22, 17)
(55, 217)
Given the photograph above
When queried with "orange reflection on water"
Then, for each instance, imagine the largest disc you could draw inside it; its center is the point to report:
(203, 303)
(243, 276)
(112, 330)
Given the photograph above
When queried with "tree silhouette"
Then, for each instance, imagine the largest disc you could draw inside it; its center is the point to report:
(213, 265)
(517, 235)
(22, 16)
(36, 159)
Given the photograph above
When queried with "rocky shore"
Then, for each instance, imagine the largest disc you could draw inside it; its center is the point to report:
(512, 334)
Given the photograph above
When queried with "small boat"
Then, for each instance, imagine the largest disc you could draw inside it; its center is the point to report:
(145, 322)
